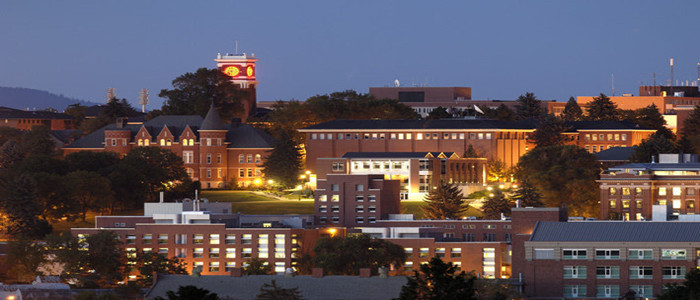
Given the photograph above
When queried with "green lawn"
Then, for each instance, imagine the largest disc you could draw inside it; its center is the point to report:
(414, 207)
(253, 204)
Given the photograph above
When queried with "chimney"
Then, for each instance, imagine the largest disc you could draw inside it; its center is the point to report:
(161, 197)
(317, 272)
(365, 272)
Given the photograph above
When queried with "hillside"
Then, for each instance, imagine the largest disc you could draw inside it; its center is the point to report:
(23, 98)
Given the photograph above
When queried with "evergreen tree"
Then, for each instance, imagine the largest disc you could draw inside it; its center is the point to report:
(572, 111)
(283, 165)
(470, 152)
(445, 202)
(19, 209)
(190, 292)
(529, 107)
(602, 109)
(654, 145)
(148, 263)
(528, 195)
(270, 291)
(549, 132)
(691, 125)
(439, 281)
(496, 205)
(257, 267)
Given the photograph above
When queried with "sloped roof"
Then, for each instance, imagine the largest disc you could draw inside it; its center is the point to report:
(241, 136)
(212, 121)
(247, 287)
(393, 154)
(615, 154)
(616, 231)
(463, 124)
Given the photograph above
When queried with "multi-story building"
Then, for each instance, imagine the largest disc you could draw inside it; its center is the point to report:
(606, 259)
(417, 172)
(494, 140)
(349, 200)
(24, 120)
(216, 154)
(204, 235)
(629, 191)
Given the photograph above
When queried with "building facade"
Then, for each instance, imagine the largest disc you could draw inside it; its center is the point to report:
(24, 120)
(417, 172)
(216, 154)
(493, 140)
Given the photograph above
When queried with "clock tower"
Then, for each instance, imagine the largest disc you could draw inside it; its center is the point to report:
(241, 69)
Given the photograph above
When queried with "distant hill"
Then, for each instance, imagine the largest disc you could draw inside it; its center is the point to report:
(23, 98)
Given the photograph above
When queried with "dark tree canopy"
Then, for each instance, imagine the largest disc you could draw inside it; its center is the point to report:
(602, 109)
(527, 195)
(689, 289)
(193, 93)
(501, 113)
(439, 113)
(445, 202)
(470, 152)
(654, 145)
(563, 175)
(529, 107)
(19, 212)
(283, 164)
(439, 281)
(103, 264)
(257, 267)
(190, 292)
(158, 167)
(572, 111)
(496, 204)
(346, 255)
(691, 125)
(549, 132)
(648, 117)
(114, 109)
(148, 263)
(271, 291)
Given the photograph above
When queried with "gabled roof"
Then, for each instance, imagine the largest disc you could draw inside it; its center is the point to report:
(240, 136)
(462, 124)
(395, 154)
(616, 231)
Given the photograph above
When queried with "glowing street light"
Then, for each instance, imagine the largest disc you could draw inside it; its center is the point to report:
(257, 181)
(270, 181)
(332, 231)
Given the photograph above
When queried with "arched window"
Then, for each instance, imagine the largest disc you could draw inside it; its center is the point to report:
(191, 142)
(140, 142)
(184, 142)
(162, 142)
(257, 158)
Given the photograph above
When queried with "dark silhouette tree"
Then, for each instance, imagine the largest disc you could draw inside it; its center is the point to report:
(572, 111)
(470, 152)
(689, 289)
(691, 125)
(193, 93)
(148, 263)
(25, 255)
(602, 109)
(652, 146)
(439, 280)
(19, 211)
(283, 164)
(157, 166)
(496, 204)
(271, 291)
(346, 255)
(529, 107)
(90, 191)
(444, 202)
(439, 113)
(102, 264)
(549, 132)
(257, 267)
(190, 292)
(527, 194)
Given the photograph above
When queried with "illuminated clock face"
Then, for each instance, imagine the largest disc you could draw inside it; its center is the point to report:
(232, 71)
(250, 71)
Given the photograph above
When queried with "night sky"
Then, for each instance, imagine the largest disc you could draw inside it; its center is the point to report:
(501, 49)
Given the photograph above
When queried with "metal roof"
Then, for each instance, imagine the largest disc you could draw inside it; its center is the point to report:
(616, 231)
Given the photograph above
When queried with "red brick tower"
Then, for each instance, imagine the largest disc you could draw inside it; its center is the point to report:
(241, 69)
(212, 151)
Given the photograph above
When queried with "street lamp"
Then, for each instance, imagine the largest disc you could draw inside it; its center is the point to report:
(270, 181)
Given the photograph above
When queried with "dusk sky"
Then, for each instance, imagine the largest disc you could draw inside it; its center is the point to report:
(501, 49)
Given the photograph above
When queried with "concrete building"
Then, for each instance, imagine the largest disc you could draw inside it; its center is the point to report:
(417, 172)
(629, 191)
(493, 140)
(216, 154)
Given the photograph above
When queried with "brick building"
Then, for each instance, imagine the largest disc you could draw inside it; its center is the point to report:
(505, 141)
(606, 259)
(629, 191)
(24, 120)
(417, 172)
(349, 200)
(215, 153)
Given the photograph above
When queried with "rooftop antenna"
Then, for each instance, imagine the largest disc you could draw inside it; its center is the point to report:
(144, 99)
(699, 72)
(671, 63)
(613, 84)
(111, 94)
(236, 53)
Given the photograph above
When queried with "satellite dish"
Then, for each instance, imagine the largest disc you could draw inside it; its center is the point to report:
(396, 83)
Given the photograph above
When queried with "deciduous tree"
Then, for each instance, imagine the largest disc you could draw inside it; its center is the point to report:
(257, 267)
(346, 255)
(158, 167)
(90, 191)
(440, 281)
(445, 202)
(25, 255)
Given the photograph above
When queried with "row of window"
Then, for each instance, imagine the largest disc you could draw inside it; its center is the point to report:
(213, 239)
(358, 198)
(662, 191)
(607, 254)
(248, 159)
(358, 220)
(610, 137)
(402, 136)
(469, 226)
(597, 148)
(214, 266)
(358, 209)
(249, 172)
(607, 291)
(263, 252)
(185, 142)
(613, 272)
